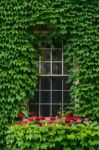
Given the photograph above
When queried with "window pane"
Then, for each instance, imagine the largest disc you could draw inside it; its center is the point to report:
(56, 44)
(66, 97)
(56, 83)
(56, 96)
(57, 55)
(56, 109)
(45, 44)
(34, 108)
(45, 110)
(57, 68)
(45, 96)
(45, 83)
(45, 55)
(45, 68)
(66, 85)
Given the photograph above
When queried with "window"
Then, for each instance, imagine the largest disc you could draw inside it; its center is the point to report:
(52, 93)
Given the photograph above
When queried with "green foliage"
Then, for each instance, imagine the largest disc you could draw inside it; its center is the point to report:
(83, 52)
(76, 22)
(53, 137)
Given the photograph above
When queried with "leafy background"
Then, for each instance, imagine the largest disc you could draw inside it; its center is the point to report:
(74, 22)
(53, 137)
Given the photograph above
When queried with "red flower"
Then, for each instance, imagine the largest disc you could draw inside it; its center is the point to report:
(52, 119)
(37, 118)
(67, 121)
(42, 118)
(19, 115)
(31, 119)
(68, 116)
(32, 113)
(59, 116)
(74, 118)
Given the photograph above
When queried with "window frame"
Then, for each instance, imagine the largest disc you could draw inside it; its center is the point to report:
(51, 76)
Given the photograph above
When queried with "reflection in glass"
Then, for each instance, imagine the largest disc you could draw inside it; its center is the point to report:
(56, 96)
(65, 66)
(45, 96)
(55, 109)
(57, 55)
(45, 83)
(45, 56)
(56, 44)
(45, 44)
(56, 83)
(45, 68)
(66, 85)
(65, 107)
(66, 97)
(57, 68)
(34, 108)
(45, 110)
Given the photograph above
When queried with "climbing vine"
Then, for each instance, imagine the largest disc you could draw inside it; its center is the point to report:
(74, 22)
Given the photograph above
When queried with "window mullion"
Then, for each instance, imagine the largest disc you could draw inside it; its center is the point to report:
(39, 97)
(62, 97)
(51, 83)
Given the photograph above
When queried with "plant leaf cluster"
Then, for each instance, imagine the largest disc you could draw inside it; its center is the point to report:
(74, 22)
(53, 137)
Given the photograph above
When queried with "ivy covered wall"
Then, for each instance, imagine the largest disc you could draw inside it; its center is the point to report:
(76, 22)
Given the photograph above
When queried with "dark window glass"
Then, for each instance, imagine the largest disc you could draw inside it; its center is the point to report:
(45, 56)
(45, 110)
(65, 68)
(56, 83)
(66, 97)
(45, 83)
(45, 44)
(45, 68)
(56, 44)
(57, 55)
(45, 96)
(34, 108)
(65, 107)
(66, 85)
(56, 109)
(56, 96)
(57, 68)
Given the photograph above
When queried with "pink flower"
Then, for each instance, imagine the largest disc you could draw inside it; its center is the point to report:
(86, 119)
(90, 121)
(25, 121)
(79, 120)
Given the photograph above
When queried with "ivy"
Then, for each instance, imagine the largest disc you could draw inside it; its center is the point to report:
(76, 22)
(55, 136)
